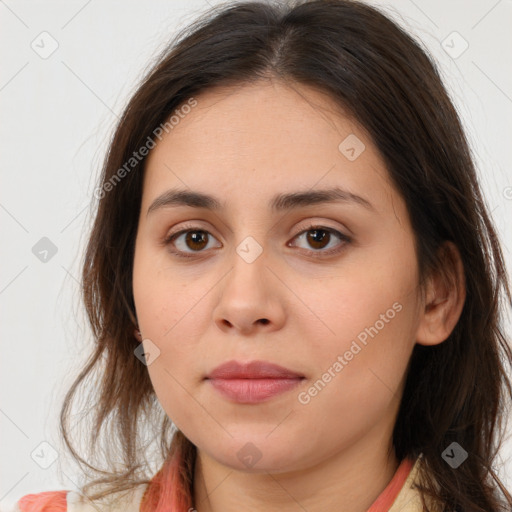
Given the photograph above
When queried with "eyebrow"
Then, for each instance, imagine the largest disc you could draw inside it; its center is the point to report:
(279, 203)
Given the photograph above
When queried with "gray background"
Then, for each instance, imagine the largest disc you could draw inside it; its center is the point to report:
(58, 111)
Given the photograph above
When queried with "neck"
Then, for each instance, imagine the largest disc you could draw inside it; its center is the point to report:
(349, 480)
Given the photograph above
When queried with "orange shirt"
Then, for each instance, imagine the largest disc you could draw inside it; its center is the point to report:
(398, 496)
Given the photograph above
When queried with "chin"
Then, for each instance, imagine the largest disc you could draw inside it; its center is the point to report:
(257, 454)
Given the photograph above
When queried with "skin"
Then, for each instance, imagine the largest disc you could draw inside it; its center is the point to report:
(243, 145)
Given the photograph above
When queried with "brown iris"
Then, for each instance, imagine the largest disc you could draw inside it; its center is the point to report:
(196, 237)
(317, 236)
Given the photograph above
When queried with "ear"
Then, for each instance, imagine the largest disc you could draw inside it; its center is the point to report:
(137, 334)
(444, 298)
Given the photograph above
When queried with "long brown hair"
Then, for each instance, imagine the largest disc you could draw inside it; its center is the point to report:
(457, 391)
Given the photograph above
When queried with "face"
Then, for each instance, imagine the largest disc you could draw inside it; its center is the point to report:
(326, 289)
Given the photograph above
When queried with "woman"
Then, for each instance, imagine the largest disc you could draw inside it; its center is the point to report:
(336, 342)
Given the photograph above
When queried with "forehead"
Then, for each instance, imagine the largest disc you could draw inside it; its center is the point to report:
(251, 141)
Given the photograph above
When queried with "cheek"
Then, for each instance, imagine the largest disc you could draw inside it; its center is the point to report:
(163, 297)
(172, 326)
(363, 306)
(164, 313)
(359, 376)
(381, 292)
(371, 316)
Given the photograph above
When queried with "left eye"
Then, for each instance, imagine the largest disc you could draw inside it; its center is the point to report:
(317, 236)
(196, 239)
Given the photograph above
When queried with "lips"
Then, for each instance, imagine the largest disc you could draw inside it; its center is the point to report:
(252, 382)
(252, 370)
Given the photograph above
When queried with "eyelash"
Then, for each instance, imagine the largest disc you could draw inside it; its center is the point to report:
(181, 254)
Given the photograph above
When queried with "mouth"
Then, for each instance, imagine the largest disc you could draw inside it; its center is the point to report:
(252, 382)
(251, 391)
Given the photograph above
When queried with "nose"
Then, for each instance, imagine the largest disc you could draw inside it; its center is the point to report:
(251, 298)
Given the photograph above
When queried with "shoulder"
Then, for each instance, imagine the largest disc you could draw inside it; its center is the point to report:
(71, 501)
(48, 501)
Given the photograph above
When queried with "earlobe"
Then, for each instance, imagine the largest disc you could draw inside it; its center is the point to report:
(445, 296)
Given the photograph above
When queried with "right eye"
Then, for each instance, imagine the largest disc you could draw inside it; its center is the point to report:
(195, 239)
